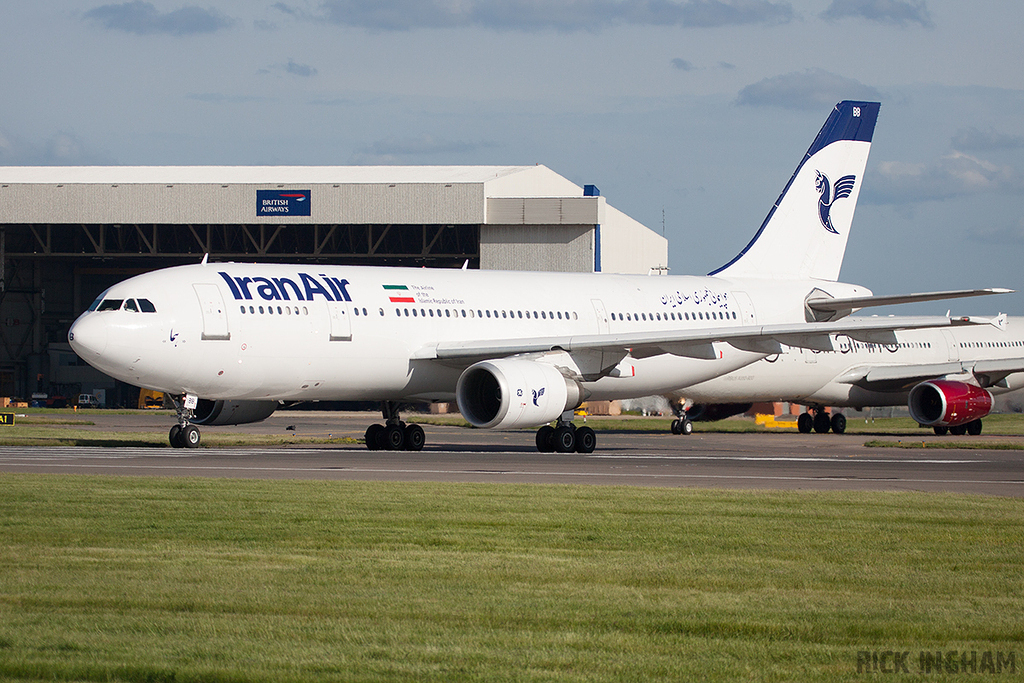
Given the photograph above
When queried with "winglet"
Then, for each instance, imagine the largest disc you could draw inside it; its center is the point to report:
(1000, 322)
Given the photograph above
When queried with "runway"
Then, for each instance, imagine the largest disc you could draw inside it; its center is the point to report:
(710, 460)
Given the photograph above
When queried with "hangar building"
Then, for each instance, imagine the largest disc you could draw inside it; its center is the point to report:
(68, 233)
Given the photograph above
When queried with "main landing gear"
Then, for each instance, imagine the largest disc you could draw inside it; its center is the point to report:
(973, 428)
(565, 437)
(819, 421)
(184, 434)
(394, 435)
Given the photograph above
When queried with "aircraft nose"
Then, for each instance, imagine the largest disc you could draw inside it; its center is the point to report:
(88, 336)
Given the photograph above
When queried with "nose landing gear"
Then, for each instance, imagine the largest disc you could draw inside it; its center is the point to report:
(184, 434)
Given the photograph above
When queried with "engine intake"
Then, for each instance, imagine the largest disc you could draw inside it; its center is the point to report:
(945, 403)
(209, 412)
(503, 394)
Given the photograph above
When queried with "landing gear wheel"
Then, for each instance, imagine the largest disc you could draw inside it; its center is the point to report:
(190, 436)
(940, 431)
(586, 440)
(394, 437)
(546, 439)
(373, 432)
(805, 423)
(821, 422)
(414, 438)
(675, 427)
(974, 427)
(838, 423)
(565, 439)
(959, 430)
(685, 427)
(175, 437)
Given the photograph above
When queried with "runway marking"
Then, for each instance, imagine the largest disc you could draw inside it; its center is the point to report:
(528, 473)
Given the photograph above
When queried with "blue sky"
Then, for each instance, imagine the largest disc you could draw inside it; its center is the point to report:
(690, 115)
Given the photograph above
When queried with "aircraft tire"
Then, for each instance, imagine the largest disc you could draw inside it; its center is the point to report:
(414, 438)
(372, 433)
(974, 427)
(838, 423)
(940, 431)
(675, 427)
(546, 439)
(685, 427)
(565, 440)
(174, 436)
(821, 422)
(805, 423)
(190, 436)
(393, 437)
(959, 430)
(586, 440)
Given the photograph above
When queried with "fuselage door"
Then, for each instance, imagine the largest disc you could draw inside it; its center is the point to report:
(746, 306)
(602, 316)
(341, 324)
(215, 316)
(951, 345)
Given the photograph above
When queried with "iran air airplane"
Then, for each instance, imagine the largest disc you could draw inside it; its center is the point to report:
(229, 341)
(946, 377)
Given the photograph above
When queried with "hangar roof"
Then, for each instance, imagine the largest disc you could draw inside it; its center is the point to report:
(499, 180)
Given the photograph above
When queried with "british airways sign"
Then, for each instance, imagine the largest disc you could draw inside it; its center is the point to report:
(283, 202)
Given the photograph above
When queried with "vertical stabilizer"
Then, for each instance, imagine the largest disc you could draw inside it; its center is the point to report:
(805, 233)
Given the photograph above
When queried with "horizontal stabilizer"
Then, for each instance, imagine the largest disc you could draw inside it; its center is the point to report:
(822, 309)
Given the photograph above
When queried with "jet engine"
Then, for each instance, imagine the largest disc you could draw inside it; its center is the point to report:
(712, 412)
(209, 412)
(945, 403)
(502, 394)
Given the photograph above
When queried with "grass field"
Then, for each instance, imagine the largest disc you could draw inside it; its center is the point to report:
(131, 579)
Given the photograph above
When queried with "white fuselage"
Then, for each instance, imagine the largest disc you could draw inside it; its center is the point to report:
(829, 378)
(305, 332)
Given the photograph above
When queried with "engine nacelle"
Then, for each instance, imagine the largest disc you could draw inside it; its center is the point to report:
(502, 394)
(945, 403)
(712, 412)
(209, 412)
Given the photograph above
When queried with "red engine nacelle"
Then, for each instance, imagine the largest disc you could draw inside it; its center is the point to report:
(944, 403)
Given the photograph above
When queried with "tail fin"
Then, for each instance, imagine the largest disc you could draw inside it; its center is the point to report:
(805, 233)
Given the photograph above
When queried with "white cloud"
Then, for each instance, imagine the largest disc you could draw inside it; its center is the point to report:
(143, 18)
(813, 89)
(564, 15)
(898, 12)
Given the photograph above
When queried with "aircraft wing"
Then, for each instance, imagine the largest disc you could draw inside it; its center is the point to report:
(697, 343)
(902, 377)
(824, 308)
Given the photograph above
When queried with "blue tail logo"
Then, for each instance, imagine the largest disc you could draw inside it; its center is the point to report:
(829, 194)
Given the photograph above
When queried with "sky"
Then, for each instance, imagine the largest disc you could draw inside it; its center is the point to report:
(689, 115)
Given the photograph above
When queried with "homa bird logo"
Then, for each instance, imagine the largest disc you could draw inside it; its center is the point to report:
(536, 395)
(829, 194)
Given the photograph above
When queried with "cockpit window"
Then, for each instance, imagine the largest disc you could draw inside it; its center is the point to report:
(96, 303)
(130, 306)
(146, 306)
(110, 305)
